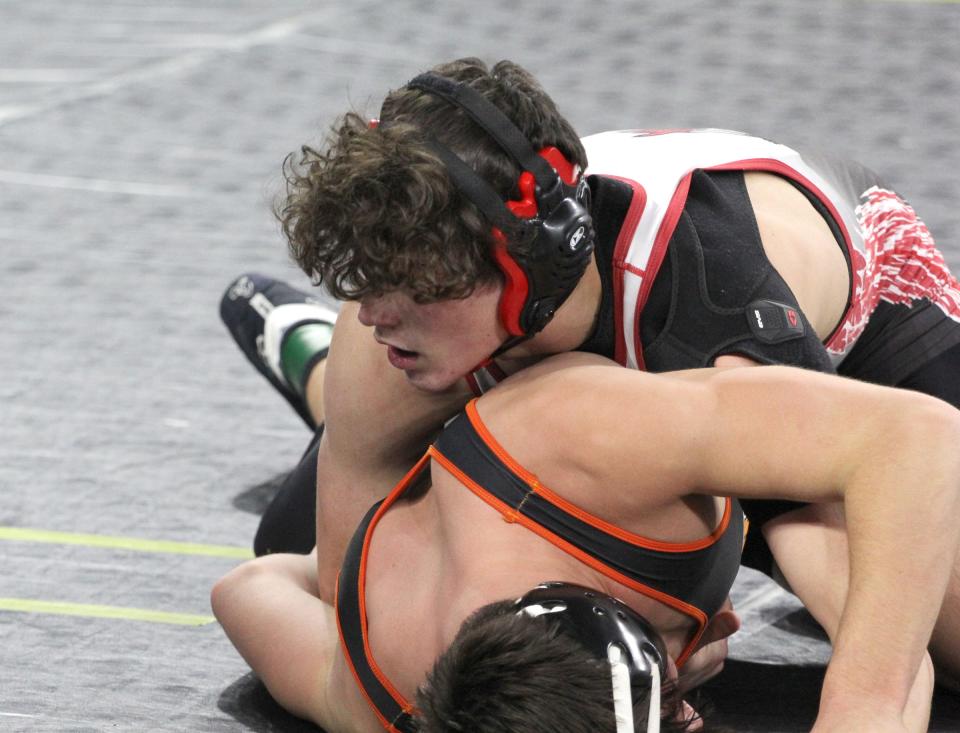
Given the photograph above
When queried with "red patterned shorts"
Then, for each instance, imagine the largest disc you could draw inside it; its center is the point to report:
(901, 264)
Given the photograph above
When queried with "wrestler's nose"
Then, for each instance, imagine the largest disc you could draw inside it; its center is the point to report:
(378, 310)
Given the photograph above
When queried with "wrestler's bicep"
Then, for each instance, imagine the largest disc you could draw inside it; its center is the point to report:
(772, 432)
(788, 433)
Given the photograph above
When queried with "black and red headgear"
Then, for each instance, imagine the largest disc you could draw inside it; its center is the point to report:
(554, 208)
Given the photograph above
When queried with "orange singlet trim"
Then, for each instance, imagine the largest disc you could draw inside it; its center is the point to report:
(552, 497)
(353, 670)
(513, 516)
(362, 599)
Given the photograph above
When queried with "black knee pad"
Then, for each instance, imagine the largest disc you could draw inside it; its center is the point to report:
(289, 523)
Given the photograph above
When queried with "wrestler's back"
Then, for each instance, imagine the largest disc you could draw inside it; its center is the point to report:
(436, 558)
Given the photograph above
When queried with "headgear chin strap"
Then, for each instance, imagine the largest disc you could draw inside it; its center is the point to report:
(613, 632)
(553, 211)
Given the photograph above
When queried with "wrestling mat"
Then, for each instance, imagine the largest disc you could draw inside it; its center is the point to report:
(141, 146)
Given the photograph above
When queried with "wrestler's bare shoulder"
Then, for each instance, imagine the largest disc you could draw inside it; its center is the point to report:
(563, 420)
(574, 376)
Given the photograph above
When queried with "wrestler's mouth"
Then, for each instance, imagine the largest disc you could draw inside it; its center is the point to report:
(401, 358)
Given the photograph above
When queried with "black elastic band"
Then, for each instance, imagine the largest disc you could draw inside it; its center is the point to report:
(494, 121)
(475, 188)
(509, 344)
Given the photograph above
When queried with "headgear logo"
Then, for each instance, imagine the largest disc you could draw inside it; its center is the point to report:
(576, 237)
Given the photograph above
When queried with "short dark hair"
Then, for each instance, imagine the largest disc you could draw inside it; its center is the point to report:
(373, 210)
(505, 673)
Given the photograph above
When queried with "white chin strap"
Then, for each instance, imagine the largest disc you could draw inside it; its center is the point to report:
(623, 695)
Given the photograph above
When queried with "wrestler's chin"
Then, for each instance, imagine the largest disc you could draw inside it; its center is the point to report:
(432, 382)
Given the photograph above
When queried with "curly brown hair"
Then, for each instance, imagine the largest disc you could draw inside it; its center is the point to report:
(373, 210)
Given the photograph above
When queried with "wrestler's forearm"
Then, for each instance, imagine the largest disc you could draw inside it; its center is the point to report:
(901, 508)
(891, 457)
(811, 551)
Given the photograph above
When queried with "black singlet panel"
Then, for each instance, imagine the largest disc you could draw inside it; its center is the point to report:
(900, 339)
(350, 621)
(717, 293)
(715, 268)
(700, 578)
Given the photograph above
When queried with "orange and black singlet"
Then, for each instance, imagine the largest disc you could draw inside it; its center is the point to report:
(693, 577)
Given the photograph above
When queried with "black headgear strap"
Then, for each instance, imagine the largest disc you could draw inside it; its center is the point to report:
(476, 189)
(562, 227)
(486, 114)
(490, 204)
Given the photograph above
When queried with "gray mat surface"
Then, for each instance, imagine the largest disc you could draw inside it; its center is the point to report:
(140, 145)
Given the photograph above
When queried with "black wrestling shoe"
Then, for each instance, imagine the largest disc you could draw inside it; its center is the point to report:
(259, 311)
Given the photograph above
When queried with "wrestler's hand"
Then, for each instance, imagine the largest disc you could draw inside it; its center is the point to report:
(686, 715)
(711, 652)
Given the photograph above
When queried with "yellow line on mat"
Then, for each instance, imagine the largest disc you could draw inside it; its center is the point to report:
(25, 605)
(24, 534)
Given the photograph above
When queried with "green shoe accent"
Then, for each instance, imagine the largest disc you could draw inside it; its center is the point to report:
(302, 347)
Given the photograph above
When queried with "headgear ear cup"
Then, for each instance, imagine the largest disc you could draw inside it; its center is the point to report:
(516, 287)
(554, 206)
(612, 631)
